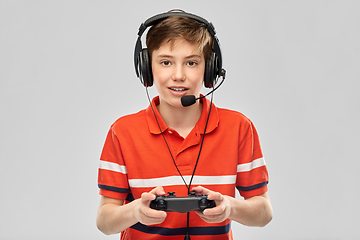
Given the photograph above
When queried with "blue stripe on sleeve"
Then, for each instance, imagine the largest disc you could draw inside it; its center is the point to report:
(253, 187)
(114, 189)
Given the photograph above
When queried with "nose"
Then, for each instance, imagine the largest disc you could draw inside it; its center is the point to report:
(179, 73)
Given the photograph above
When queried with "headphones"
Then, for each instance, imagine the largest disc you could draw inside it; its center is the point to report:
(142, 60)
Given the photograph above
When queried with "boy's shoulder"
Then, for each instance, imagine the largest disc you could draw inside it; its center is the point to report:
(232, 115)
(130, 120)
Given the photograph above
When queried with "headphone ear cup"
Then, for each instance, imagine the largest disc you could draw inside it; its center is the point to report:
(145, 68)
(210, 71)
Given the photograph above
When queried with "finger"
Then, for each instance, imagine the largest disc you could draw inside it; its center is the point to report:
(158, 191)
(218, 210)
(151, 217)
(211, 194)
(211, 218)
(146, 197)
(147, 215)
(218, 197)
(200, 189)
(154, 214)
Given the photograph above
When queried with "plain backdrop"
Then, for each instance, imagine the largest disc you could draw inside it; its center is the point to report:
(66, 74)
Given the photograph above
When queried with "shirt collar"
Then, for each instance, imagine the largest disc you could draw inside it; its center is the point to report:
(157, 123)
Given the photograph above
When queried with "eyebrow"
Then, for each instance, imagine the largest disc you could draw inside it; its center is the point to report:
(169, 56)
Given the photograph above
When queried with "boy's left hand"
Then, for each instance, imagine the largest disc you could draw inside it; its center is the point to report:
(219, 213)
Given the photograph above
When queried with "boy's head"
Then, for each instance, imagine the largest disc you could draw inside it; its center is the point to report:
(176, 28)
(171, 29)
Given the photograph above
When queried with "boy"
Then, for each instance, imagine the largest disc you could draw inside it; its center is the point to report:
(169, 148)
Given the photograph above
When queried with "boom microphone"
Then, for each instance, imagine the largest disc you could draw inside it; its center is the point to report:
(189, 100)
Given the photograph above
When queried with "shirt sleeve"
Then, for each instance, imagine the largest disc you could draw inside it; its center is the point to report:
(252, 174)
(112, 175)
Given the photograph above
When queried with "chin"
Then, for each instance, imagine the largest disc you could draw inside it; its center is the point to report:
(171, 102)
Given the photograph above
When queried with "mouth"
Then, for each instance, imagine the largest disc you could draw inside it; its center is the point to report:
(178, 89)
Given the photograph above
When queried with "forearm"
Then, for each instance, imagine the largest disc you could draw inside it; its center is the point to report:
(114, 216)
(113, 219)
(255, 211)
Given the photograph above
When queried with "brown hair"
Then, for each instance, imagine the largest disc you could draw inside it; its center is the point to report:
(176, 27)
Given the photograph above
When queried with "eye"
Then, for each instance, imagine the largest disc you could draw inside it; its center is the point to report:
(191, 64)
(166, 63)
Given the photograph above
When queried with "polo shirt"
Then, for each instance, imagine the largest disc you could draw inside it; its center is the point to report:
(136, 159)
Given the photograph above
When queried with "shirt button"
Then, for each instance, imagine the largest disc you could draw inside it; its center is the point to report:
(170, 132)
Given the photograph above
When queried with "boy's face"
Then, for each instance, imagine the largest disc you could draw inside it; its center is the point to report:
(178, 70)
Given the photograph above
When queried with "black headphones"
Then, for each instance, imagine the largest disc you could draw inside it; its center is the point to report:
(142, 58)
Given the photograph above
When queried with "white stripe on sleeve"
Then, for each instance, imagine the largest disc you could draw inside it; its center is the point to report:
(112, 167)
(246, 167)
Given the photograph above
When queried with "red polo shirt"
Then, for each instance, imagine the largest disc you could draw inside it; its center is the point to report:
(135, 159)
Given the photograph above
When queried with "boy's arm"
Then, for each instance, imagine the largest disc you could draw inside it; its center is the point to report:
(254, 211)
(114, 216)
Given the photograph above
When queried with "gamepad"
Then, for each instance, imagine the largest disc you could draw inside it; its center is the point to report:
(182, 204)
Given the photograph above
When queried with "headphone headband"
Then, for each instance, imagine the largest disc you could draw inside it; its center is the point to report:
(162, 16)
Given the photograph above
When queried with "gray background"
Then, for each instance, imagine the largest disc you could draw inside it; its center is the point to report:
(66, 74)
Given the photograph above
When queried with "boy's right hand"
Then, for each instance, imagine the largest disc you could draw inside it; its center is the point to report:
(144, 214)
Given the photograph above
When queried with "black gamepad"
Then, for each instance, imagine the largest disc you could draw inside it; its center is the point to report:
(182, 204)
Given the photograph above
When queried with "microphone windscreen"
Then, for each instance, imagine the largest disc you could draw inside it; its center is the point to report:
(188, 100)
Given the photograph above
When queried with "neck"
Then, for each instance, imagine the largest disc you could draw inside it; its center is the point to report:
(181, 119)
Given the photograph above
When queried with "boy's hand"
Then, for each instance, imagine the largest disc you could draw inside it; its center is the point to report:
(144, 214)
(219, 213)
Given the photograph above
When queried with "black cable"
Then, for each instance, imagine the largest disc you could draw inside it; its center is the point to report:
(162, 134)
(167, 145)
(202, 142)
(187, 236)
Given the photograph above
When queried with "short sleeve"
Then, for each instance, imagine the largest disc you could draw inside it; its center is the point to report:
(112, 174)
(252, 173)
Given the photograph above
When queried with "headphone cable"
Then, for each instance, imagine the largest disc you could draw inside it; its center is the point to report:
(187, 237)
(162, 134)
(167, 145)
